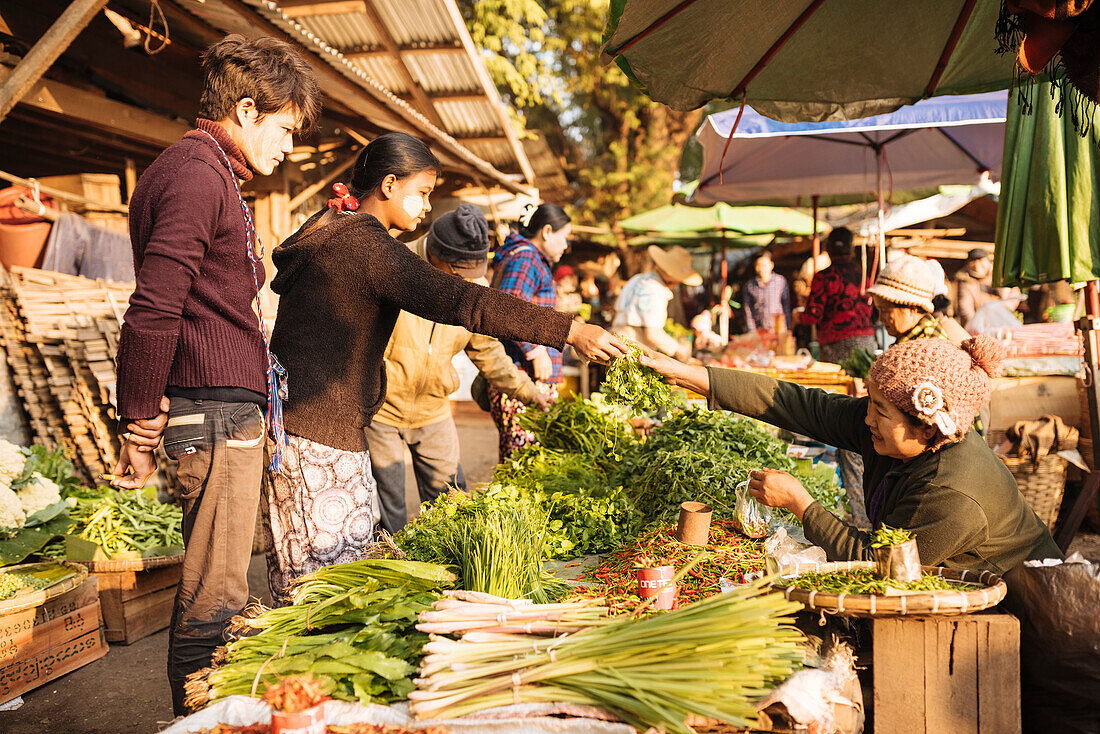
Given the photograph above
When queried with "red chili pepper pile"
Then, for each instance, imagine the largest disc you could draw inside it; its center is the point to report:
(730, 555)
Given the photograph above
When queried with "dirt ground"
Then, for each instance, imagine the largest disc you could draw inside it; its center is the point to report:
(126, 692)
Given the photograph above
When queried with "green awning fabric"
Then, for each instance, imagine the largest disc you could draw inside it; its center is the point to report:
(714, 220)
(1048, 224)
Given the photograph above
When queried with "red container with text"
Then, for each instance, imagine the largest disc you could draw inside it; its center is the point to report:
(655, 581)
(310, 721)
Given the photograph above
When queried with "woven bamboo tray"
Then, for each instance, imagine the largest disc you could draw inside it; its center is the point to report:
(131, 564)
(988, 592)
(1041, 485)
(35, 598)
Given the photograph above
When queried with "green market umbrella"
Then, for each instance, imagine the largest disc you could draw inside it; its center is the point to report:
(1048, 229)
(1048, 224)
(807, 60)
(717, 220)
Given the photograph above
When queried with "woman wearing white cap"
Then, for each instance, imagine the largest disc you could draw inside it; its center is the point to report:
(642, 307)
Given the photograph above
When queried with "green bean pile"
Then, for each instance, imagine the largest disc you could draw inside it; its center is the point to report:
(123, 522)
(864, 581)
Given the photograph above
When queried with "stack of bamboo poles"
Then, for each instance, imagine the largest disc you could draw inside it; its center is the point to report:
(60, 334)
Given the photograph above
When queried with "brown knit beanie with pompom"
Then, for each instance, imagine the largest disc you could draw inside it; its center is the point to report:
(938, 383)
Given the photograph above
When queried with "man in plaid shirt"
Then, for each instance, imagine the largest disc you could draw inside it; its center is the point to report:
(766, 296)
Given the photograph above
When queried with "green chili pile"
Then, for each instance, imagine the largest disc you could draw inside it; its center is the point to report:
(886, 536)
(864, 581)
(730, 555)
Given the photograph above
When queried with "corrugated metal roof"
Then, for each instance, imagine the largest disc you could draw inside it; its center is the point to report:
(434, 47)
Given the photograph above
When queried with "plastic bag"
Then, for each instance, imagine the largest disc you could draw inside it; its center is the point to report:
(1059, 644)
(787, 552)
(752, 517)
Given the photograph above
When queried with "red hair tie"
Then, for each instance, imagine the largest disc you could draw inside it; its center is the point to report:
(343, 200)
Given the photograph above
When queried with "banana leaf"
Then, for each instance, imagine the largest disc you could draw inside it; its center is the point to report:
(31, 540)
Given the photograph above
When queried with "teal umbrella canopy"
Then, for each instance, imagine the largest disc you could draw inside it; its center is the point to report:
(1048, 222)
(714, 221)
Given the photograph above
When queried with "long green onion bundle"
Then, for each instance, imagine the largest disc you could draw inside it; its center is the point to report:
(354, 623)
(713, 658)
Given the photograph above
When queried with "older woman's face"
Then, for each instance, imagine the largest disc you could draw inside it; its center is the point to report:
(892, 433)
(897, 320)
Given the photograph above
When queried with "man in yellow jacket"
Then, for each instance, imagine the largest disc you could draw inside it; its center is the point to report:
(420, 376)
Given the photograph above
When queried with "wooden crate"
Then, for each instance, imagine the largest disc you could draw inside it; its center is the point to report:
(19, 629)
(137, 603)
(49, 641)
(946, 675)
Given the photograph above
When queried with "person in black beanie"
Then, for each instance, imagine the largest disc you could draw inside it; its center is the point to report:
(419, 377)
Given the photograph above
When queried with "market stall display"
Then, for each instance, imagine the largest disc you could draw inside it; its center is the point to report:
(32, 584)
(110, 524)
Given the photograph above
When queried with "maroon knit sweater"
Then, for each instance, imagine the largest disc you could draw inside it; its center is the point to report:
(190, 322)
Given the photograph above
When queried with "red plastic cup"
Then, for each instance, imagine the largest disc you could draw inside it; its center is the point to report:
(310, 721)
(655, 582)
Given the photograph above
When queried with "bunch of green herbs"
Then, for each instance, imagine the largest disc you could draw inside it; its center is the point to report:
(639, 388)
(866, 581)
(887, 536)
(494, 543)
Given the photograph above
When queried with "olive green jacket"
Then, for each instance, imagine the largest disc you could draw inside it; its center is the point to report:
(961, 502)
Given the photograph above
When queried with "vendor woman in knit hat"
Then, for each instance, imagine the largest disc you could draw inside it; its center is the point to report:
(925, 469)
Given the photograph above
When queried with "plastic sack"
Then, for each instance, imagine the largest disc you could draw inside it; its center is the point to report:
(783, 551)
(1057, 606)
(752, 518)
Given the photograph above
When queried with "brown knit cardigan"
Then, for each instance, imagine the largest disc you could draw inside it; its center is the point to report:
(341, 284)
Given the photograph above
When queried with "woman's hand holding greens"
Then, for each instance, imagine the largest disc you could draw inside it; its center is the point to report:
(779, 489)
(595, 344)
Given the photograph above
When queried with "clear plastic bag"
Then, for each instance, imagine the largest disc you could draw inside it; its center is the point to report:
(752, 517)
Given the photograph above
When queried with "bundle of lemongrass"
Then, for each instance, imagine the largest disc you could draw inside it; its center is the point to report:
(711, 659)
(466, 612)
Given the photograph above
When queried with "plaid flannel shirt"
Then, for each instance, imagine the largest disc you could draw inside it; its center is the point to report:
(524, 272)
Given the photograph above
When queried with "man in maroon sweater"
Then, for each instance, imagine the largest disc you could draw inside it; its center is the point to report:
(192, 360)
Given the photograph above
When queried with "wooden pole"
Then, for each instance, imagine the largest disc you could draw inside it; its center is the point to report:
(1090, 330)
(42, 55)
(816, 252)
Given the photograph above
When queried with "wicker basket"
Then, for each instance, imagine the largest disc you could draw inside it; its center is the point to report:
(131, 564)
(988, 591)
(40, 596)
(1041, 485)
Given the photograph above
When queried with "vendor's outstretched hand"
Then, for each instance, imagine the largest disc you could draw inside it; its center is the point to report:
(594, 343)
(779, 489)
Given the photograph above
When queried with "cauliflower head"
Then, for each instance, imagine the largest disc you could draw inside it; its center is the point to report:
(11, 509)
(12, 459)
(38, 494)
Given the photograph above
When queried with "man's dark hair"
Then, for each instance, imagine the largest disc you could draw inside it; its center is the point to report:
(839, 244)
(395, 153)
(266, 70)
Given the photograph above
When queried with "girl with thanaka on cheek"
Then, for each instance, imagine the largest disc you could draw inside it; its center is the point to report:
(342, 280)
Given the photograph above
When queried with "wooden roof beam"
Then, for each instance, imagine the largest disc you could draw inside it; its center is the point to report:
(45, 51)
(305, 8)
(426, 49)
(102, 113)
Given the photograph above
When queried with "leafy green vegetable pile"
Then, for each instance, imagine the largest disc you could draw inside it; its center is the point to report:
(858, 364)
(354, 623)
(635, 386)
(699, 454)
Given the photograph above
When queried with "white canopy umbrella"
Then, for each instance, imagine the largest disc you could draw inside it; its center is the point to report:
(935, 142)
